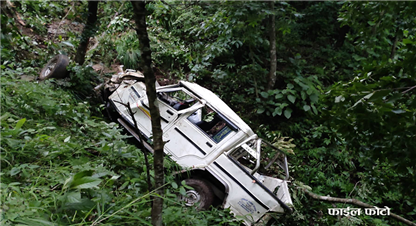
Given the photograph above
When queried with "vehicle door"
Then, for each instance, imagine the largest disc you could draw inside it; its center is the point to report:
(196, 135)
(170, 101)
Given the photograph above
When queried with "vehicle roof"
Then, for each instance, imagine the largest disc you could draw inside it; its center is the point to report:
(219, 105)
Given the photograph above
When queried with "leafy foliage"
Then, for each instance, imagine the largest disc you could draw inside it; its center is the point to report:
(344, 95)
(365, 109)
(302, 94)
(67, 166)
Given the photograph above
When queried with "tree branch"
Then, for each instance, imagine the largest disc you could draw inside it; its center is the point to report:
(131, 113)
(409, 89)
(60, 23)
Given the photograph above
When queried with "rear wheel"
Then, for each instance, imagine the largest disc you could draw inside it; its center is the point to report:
(201, 196)
(55, 68)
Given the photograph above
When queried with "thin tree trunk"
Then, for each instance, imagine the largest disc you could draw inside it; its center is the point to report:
(140, 14)
(393, 48)
(141, 140)
(87, 32)
(273, 61)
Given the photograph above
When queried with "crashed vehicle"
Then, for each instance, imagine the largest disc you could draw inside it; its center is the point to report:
(219, 153)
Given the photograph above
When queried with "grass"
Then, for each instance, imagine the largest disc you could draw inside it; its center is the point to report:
(63, 165)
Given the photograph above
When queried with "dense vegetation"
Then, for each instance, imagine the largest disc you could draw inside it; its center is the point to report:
(345, 92)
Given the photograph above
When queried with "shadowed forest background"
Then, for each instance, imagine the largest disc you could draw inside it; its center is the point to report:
(342, 99)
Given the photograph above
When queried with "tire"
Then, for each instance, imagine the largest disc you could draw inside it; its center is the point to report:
(55, 68)
(202, 195)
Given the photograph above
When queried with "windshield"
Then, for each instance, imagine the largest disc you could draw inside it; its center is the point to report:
(274, 161)
(247, 155)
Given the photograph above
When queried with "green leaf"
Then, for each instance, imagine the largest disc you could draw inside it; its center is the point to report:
(303, 95)
(290, 86)
(260, 110)
(124, 185)
(278, 111)
(35, 222)
(292, 99)
(264, 94)
(82, 180)
(394, 98)
(85, 182)
(19, 125)
(288, 113)
(83, 204)
(174, 185)
(14, 171)
(314, 109)
(5, 116)
(72, 197)
(408, 41)
(278, 96)
(379, 95)
(314, 98)
(84, 173)
(182, 191)
(306, 107)
(106, 147)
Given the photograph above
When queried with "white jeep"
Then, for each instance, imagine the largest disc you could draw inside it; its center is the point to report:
(218, 151)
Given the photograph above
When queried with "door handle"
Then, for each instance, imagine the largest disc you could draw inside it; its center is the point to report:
(169, 112)
(209, 145)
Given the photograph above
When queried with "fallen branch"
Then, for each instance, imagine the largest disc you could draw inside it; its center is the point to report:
(97, 40)
(353, 201)
(60, 23)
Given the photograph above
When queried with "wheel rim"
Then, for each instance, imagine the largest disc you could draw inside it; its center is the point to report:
(49, 69)
(192, 197)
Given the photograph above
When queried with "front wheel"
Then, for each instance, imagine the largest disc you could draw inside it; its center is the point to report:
(201, 196)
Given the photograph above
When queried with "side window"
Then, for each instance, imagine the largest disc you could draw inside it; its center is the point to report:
(211, 123)
(178, 99)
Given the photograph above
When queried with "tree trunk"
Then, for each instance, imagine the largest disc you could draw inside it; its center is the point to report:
(87, 32)
(271, 80)
(150, 80)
